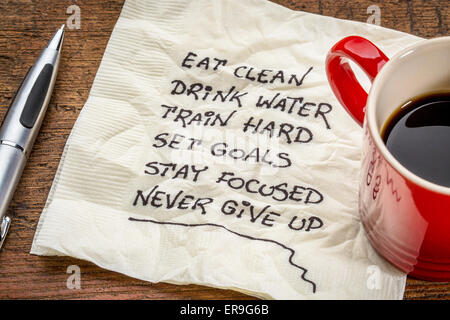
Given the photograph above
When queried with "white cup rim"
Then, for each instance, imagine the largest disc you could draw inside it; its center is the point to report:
(372, 125)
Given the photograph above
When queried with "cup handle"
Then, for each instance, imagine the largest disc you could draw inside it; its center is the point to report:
(342, 80)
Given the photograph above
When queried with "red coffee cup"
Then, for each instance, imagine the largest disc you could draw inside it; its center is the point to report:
(407, 218)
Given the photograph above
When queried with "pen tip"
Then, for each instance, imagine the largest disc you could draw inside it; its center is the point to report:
(57, 39)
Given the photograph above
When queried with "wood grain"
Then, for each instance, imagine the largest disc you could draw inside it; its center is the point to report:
(25, 27)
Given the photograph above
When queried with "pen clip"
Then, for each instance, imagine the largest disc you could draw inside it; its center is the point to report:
(4, 227)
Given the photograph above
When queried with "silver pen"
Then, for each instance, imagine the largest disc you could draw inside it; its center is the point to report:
(22, 123)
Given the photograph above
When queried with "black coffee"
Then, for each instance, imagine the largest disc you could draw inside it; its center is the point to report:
(418, 136)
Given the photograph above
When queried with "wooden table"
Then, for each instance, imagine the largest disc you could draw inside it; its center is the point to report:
(25, 28)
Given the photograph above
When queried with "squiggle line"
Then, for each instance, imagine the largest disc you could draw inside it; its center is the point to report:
(292, 251)
(390, 181)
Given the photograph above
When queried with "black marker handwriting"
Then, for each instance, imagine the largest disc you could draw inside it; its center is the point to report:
(292, 251)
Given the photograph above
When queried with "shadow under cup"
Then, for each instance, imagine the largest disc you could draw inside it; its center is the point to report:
(407, 218)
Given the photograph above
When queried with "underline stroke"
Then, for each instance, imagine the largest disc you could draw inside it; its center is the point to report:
(292, 251)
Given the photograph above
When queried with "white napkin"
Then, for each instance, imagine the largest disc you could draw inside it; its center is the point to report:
(212, 151)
